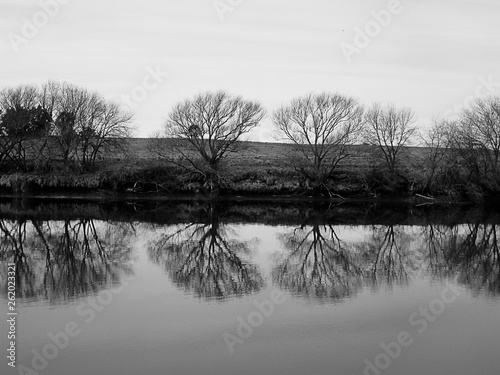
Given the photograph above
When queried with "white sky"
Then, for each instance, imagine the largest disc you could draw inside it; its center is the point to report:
(429, 57)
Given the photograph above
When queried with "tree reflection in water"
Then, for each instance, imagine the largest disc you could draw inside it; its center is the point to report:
(435, 238)
(387, 256)
(62, 260)
(470, 253)
(201, 258)
(318, 263)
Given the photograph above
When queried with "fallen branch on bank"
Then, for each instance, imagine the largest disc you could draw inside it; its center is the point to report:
(425, 197)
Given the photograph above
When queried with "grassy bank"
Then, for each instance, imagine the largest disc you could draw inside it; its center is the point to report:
(259, 169)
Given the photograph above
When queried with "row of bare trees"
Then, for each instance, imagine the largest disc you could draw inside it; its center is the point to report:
(464, 154)
(322, 128)
(58, 122)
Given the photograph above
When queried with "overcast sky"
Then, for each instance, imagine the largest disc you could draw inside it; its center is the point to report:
(430, 56)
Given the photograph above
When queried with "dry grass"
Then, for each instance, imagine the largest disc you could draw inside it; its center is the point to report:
(259, 156)
(257, 167)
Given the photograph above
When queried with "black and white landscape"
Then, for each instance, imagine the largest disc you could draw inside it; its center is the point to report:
(251, 187)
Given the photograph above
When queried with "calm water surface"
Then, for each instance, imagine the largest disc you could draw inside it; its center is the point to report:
(204, 289)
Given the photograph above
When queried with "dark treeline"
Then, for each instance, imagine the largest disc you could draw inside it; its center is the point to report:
(335, 146)
(184, 211)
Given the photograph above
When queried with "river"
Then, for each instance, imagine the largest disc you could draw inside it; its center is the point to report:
(250, 288)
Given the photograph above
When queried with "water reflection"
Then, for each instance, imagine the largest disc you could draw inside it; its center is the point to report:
(469, 252)
(387, 256)
(62, 260)
(317, 263)
(203, 259)
(323, 253)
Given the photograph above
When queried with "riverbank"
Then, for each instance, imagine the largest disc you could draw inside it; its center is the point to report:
(258, 171)
(166, 183)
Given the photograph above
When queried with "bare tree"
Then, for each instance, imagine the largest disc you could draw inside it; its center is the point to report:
(474, 142)
(206, 129)
(65, 136)
(321, 127)
(475, 138)
(438, 157)
(85, 123)
(390, 129)
(24, 125)
(81, 125)
(23, 96)
(105, 130)
(482, 121)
